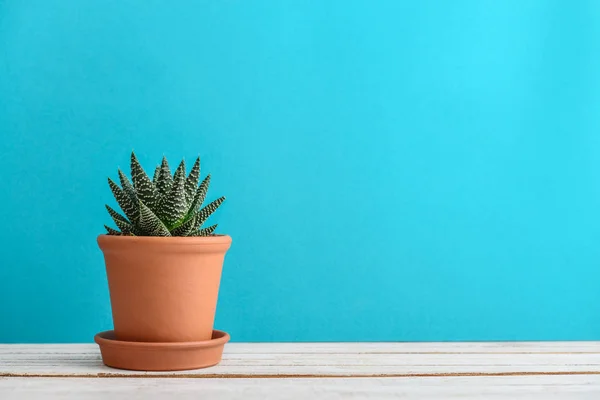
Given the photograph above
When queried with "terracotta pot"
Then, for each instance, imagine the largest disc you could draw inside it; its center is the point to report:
(163, 289)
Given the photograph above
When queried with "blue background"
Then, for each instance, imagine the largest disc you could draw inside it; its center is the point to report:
(395, 170)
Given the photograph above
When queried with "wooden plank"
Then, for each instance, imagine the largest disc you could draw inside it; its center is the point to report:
(498, 388)
(282, 359)
(321, 348)
(533, 371)
(328, 360)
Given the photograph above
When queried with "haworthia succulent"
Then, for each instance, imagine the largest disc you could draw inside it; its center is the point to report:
(142, 184)
(167, 205)
(174, 207)
(164, 180)
(150, 224)
(128, 207)
(191, 182)
(111, 231)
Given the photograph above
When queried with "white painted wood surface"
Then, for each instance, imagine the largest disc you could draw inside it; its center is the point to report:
(532, 370)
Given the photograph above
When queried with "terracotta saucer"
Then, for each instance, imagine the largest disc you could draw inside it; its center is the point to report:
(148, 356)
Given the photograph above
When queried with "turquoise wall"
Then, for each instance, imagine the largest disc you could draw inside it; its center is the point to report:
(395, 170)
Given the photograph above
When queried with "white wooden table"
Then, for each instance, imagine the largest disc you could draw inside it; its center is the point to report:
(535, 370)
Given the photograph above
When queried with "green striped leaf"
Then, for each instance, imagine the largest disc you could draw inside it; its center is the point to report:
(121, 222)
(128, 187)
(129, 208)
(179, 172)
(174, 207)
(207, 211)
(164, 180)
(126, 228)
(191, 183)
(115, 215)
(149, 224)
(207, 231)
(142, 184)
(111, 231)
(156, 174)
(200, 195)
(186, 228)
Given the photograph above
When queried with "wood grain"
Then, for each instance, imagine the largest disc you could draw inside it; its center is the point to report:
(330, 360)
(531, 370)
(469, 388)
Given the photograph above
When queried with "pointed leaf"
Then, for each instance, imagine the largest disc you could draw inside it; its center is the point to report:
(207, 231)
(129, 208)
(115, 215)
(208, 210)
(156, 174)
(164, 180)
(200, 195)
(197, 222)
(150, 224)
(186, 228)
(111, 231)
(174, 207)
(125, 227)
(121, 222)
(128, 187)
(179, 172)
(144, 187)
(191, 183)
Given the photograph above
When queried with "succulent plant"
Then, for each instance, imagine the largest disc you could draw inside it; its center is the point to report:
(166, 205)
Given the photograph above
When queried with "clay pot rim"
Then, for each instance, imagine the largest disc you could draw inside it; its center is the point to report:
(217, 239)
(107, 338)
(194, 244)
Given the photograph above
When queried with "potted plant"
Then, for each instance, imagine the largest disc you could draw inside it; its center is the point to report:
(163, 269)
